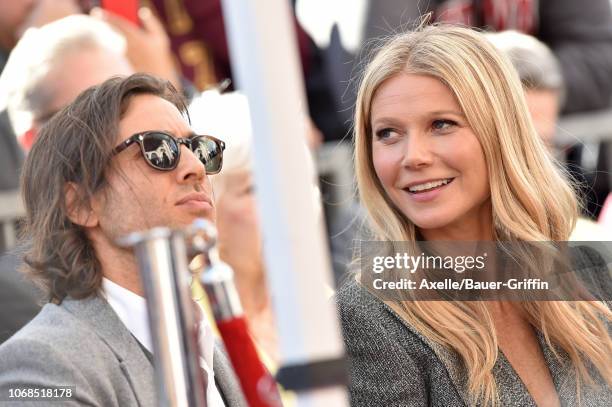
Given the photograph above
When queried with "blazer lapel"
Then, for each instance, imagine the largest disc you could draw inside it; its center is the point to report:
(561, 370)
(449, 359)
(512, 391)
(99, 317)
(226, 380)
(510, 387)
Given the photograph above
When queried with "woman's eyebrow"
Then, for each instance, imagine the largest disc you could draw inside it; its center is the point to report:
(442, 112)
(394, 122)
(385, 121)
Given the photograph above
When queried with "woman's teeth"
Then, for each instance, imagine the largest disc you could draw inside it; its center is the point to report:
(429, 185)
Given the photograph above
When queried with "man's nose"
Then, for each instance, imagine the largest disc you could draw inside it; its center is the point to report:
(190, 167)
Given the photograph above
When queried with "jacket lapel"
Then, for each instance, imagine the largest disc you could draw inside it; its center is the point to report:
(512, 391)
(226, 380)
(449, 359)
(561, 370)
(99, 317)
(510, 387)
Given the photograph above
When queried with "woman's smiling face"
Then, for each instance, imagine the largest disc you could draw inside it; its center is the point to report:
(427, 158)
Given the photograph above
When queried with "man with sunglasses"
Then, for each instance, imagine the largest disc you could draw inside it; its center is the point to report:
(121, 158)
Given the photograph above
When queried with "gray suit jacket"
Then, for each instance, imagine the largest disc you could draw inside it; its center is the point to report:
(393, 364)
(11, 155)
(83, 343)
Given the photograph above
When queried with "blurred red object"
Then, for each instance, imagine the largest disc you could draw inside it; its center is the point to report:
(217, 279)
(28, 138)
(257, 383)
(127, 9)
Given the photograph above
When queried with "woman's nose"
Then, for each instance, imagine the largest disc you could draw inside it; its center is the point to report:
(417, 152)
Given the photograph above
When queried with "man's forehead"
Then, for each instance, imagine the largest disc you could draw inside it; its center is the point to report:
(150, 112)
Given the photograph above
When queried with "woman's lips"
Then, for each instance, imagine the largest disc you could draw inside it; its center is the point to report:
(428, 195)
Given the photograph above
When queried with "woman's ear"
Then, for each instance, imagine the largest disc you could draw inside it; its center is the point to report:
(79, 212)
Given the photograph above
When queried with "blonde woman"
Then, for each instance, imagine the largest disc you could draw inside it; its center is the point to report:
(445, 150)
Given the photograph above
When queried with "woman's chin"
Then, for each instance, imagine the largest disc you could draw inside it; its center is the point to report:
(425, 225)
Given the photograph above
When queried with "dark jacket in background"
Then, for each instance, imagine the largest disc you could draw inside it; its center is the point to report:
(578, 32)
(580, 35)
(11, 154)
(19, 299)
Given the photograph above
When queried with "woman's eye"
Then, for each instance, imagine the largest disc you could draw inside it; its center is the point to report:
(384, 134)
(443, 124)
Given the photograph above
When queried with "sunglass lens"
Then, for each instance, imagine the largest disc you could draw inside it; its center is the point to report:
(161, 151)
(208, 152)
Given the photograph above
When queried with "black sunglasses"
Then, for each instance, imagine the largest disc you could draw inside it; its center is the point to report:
(162, 150)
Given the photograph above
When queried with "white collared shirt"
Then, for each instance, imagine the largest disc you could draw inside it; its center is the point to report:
(132, 311)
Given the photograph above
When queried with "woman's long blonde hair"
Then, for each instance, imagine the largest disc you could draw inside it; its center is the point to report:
(530, 197)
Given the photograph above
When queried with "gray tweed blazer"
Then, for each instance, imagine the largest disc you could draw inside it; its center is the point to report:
(392, 364)
(83, 343)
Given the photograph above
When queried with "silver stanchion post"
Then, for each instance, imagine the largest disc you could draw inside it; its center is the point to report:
(162, 257)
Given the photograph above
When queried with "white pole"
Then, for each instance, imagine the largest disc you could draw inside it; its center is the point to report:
(266, 67)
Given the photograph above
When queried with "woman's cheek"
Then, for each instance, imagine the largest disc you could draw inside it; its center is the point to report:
(386, 166)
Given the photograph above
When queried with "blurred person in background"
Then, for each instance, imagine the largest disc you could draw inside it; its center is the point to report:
(19, 15)
(148, 45)
(542, 81)
(239, 234)
(578, 33)
(240, 237)
(15, 17)
(51, 65)
(540, 74)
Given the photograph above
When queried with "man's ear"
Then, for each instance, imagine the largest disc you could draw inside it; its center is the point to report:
(79, 212)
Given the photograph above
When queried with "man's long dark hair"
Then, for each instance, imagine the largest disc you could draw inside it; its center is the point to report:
(75, 148)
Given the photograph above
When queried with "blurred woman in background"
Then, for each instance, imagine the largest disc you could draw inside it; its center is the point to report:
(240, 240)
